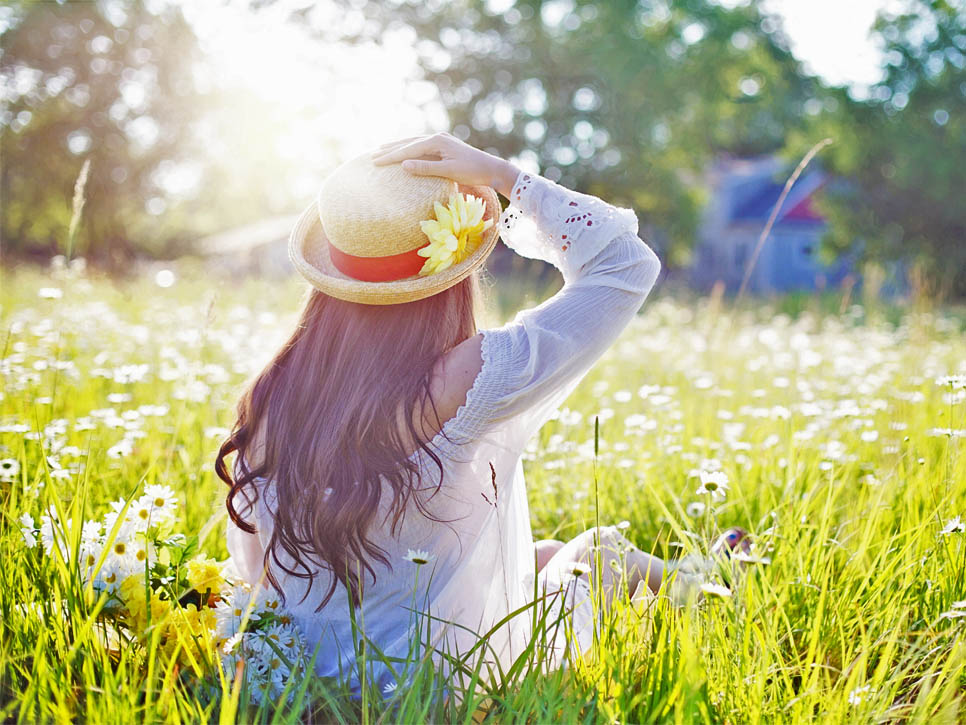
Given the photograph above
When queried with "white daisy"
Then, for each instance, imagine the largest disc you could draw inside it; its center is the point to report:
(715, 590)
(91, 533)
(140, 515)
(856, 696)
(714, 483)
(750, 558)
(232, 645)
(125, 530)
(122, 559)
(419, 557)
(28, 529)
(695, 509)
(281, 636)
(267, 601)
(143, 550)
(256, 669)
(56, 470)
(954, 526)
(257, 645)
(276, 668)
(88, 557)
(953, 381)
(121, 449)
(162, 499)
(51, 533)
(232, 609)
(9, 468)
(113, 571)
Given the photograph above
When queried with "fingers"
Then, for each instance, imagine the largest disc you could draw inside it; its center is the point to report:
(382, 148)
(387, 148)
(402, 152)
(421, 147)
(421, 167)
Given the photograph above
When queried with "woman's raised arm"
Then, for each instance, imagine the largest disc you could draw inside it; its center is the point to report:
(531, 364)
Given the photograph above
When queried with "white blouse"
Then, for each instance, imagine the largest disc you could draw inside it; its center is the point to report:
(481, 565)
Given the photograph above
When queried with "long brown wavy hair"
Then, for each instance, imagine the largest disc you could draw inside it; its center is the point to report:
(323, 421)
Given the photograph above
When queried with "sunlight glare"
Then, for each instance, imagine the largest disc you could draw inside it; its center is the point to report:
(328, 100)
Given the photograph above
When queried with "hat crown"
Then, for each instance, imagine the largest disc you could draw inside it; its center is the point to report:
(375, 211)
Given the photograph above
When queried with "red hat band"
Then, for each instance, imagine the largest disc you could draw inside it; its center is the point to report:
(377, 269)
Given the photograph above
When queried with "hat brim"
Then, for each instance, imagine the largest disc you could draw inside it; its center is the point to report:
(309, 251)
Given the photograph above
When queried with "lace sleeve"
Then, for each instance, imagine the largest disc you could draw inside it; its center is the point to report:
(565, 228)
(531, 364)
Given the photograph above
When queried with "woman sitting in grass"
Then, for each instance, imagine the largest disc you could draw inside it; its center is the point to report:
(378, 484)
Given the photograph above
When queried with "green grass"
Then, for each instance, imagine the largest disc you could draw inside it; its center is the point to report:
(828, 425)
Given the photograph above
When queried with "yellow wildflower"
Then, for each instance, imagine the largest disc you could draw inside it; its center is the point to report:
(137, 600)
(193, 629)
(204, 573)
(454, 234)
(133, 595)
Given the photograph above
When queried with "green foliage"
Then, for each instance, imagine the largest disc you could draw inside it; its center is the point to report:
(626, 100)
(900, 151)
(844, 454)
(111, 83)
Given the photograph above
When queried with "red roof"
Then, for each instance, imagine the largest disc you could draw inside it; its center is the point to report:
(804, 211)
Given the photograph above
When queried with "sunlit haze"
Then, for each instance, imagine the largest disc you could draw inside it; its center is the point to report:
(327, 101)
(831, 37)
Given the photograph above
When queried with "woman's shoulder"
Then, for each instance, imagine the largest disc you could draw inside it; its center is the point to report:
(452, 378)
(455, 373)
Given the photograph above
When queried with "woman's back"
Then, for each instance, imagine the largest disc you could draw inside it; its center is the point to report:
(462, 551)
(436, 562)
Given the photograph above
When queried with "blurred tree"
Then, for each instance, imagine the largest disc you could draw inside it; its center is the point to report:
(108, 81)
(902, 148)
(629, 99)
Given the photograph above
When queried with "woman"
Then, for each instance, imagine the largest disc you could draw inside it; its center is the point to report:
(378, 467)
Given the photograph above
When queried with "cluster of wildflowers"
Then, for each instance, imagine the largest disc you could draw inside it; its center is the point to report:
(133, 539)
(153, 579)
(253, 628)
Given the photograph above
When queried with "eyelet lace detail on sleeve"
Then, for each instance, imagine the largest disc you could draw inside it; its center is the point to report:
(566, 228)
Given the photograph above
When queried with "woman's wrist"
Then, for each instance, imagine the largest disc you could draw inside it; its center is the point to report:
(504, 176)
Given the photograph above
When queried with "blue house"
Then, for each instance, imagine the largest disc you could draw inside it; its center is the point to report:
(743, 194)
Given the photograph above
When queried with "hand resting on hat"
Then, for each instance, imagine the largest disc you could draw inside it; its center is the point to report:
(445, 155)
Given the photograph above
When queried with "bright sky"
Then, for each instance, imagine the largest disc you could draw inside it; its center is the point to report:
(831, 37)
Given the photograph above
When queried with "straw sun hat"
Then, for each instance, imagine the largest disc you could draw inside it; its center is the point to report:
(359, 241)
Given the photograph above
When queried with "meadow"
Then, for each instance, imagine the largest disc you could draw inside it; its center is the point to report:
(840, 433)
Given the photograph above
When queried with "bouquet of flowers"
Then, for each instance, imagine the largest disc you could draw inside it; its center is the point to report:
(155, 584)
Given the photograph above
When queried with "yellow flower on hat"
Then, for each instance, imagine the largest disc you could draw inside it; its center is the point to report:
(454, 234)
